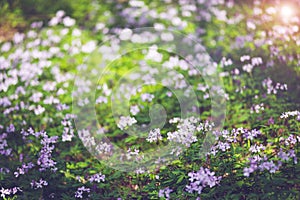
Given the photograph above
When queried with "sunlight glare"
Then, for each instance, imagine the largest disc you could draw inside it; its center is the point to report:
(286, 12)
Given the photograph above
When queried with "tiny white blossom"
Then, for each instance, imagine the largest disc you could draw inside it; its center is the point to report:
(126, 121)
(154, 135)
(68, 21)
(147, 97)
(134, 110)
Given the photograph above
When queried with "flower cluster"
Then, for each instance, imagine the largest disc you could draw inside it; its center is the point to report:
(257, 148)
(97, 178)
(165, 193)
(23, 169)
(255, 61)
(201, 179)
(225, 138)
(271, 89)
(257, 108)
(104, 148)
(4, 150)
(130, 154)
(147, 97)
(262, 162)
(80, 191)
(291, 140)
(154, 135)
(7, 192)
(45, 157)
(187, 128)
(86, 137)
(250, 135)
(126, 121)
(67, 21)
(259, 163)
(44, 160)
(68, 132)
(38, 184)
(291, 113)
(134, 110)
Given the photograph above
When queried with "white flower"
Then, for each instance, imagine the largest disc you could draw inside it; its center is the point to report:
(256, 149)
(39, 110)
(125, 34)
(134, 154)
(137, 38)
(86, 138)
(101, 99)
(36, 97)
(185, 133)
(97, 178)
(83, 102)
(171, 63)
(159, 27)
(126, 121)
(174, 120)
(66, 137)
(153, 54)
(104, 148)
(169, 94)
(18, 38)
(60, 13)
(257, 108)
(4, 192)
(54, 21)
(256, 61)
(134, 110)
(6, 47)
(167, 37)
(99, 26)
(244, 58)
(290, 113)
(147, 97)
(154, 135)
(51, 100)
(248, 68)
(251, 25)
(135, 3)
(89, 47)
(68, 21)
(49, 86)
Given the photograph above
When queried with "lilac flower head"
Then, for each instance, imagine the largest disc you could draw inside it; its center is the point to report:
(80, 191)
(290, 113)
(201, 179)
(165, 193)
(38, 184)
(126, 121)
(7, 192)
(269, 165)
(271, 121)
(97, 178)
(134, 110)
(147, 97)
(248, 170)
(68, 21)
(154, 135)
(252, 134)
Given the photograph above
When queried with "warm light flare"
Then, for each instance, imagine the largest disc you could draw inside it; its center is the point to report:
(286, 12)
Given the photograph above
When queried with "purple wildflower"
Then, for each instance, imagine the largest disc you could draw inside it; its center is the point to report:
(38, 184)
(165, 193)
(97, 178)
(80, 191)
(201, 179)
(250, 135)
